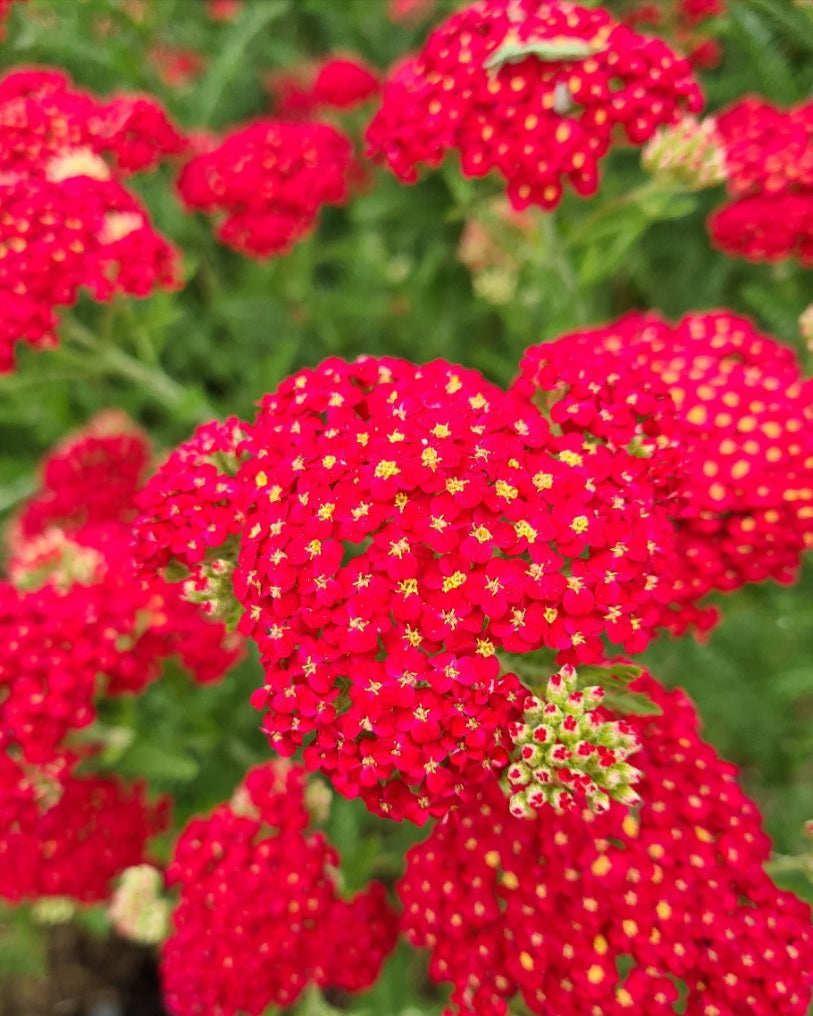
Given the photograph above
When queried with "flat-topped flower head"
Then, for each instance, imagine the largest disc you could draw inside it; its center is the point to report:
(91, 476)
(67, 220)
(66, 835)
(192, 510)
(339, 82)
(269, 180)
(769, 167)
(406, 524)
(259, 916)
(579, 913)
(534, 90)
(737, 418)
(76, 617)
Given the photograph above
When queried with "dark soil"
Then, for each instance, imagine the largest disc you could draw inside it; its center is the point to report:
(87, 977)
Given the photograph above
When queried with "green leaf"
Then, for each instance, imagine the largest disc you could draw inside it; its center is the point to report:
(629, 703)
(161, 766)
(561, 47)
(623, 672)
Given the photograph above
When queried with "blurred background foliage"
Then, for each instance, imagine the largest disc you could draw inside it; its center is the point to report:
(383, 275)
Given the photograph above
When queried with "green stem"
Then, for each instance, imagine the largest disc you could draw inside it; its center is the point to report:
(108, 359)
(556, 249)
(233, 54)
(789, 864)
(585, 229)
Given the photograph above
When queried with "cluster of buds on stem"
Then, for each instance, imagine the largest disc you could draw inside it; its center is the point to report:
(568, 754)
(688, 154)
(137, 910)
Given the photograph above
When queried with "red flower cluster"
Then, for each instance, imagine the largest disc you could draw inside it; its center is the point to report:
(259, 917)
(769, 161)
(88, 478)
(270, 179)
(74, 618)
(400, 525)
(741, 424)
(66, 220)
(65, 835)
(499, 82)
(339, 83)
(195, 503)
(611, 914)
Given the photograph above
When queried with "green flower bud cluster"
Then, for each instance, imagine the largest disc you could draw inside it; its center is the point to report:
(567, 754)
(689, 154)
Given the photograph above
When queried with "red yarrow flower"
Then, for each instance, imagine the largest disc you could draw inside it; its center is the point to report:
(769, 163)
(532, 89)
(730, 402)
(66, 835)
(270, 180)
(76, 619)
(397, 526)
(581, 913)
(338, 82)
(259, 917)
(67, 221)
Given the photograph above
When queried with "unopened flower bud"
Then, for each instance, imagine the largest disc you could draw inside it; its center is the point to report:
(214, 589)
(318, 798)
(137, 910)
(567, 755)
(688, 154)
(53, 910)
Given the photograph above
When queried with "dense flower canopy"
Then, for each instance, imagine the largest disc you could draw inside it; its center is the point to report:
(614, 913)
(741, 424)
(532, 89)
(259, 916)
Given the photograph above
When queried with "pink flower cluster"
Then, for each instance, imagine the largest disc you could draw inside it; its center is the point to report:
(77, 622)
(67, 221)
(270, 180)
(339, 82)
(67, 835)
(614, 913)
(259, 916)
(490, 84)
(769, 161)
(740, 425)
(398, 526)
